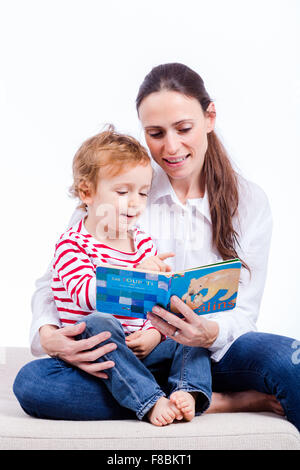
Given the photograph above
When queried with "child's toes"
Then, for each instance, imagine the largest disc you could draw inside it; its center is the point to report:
(171, 415)
(163, 420)
(169, 418)
(173, 398)
(176, 411)
(185, 407)
(156, 422)
(185, 402)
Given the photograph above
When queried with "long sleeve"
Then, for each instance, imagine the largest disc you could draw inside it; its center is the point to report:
(147, 325)
(254, 227)
(76, 272)
(44, 311)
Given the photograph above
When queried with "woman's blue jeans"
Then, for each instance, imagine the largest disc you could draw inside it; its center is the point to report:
(50, 388)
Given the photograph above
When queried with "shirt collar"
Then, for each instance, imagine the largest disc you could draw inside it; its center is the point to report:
(162, 187)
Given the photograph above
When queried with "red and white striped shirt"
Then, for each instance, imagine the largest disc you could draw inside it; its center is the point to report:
(77, 254)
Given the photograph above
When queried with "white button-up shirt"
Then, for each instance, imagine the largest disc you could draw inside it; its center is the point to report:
(186, 229)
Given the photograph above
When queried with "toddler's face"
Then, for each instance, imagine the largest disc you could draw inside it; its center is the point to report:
(119, 200)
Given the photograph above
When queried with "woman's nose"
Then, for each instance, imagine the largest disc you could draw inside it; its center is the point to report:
(171, 144)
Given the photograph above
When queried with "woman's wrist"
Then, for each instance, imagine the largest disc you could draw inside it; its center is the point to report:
(45, 332)
(212, 332)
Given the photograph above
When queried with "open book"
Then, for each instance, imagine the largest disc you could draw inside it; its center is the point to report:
(133, 292)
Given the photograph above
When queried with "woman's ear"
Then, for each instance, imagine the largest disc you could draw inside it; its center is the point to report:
(85, 192)
(211, 117)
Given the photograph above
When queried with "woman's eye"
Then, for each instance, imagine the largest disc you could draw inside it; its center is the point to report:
(155, 135)
(159, 134)
(144, 194)
(122, 192)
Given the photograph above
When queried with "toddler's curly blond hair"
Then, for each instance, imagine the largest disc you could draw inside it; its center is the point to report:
(110, 150)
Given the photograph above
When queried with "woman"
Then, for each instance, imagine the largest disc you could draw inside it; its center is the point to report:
(215, 214)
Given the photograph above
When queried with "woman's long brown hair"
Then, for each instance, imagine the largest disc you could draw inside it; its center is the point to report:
(218, 174)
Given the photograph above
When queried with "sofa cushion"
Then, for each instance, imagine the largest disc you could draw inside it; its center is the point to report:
(214, 431)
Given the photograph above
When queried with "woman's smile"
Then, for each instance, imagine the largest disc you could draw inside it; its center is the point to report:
(176, 161)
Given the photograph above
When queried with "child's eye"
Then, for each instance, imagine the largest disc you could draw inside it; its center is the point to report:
(144, 194)
(122, 192)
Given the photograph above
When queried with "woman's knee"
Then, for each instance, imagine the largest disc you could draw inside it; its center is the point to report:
(269, 352)
(25, 386)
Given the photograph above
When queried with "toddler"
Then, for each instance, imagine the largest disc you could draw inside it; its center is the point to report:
(112, 177)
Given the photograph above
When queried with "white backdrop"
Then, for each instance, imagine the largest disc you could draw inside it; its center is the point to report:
(69, 66)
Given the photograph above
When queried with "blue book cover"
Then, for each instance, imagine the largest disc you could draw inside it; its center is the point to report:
(133, 292)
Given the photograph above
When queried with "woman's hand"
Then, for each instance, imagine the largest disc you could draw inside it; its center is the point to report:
(156, 263)
(192, 330)
(61, 342)
(142, 342)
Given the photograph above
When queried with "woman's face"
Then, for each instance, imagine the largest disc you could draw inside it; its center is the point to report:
(176, 132)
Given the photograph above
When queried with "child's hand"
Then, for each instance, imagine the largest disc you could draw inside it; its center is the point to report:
(142, 342)
(156, 263)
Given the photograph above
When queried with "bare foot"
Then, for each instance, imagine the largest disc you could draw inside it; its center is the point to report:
(163, 412)
(185, 402)
(250, 400)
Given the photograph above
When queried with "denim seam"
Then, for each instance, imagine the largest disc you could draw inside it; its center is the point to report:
(183, 372)
(182, 380)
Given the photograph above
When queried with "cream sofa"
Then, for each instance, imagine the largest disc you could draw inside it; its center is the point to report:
(219, 431)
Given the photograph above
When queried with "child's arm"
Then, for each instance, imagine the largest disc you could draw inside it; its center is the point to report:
(142, 342)
(76, 272)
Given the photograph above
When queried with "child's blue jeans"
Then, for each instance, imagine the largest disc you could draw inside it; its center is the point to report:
(50, 388)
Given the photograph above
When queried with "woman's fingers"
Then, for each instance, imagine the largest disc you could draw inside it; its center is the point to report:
(84, 353)
(184, 309)
(94, 354)
(191, 331)
(89, 343)
(170, 317)
(169, 324)
(96, 368)
(164, 327)
(73, 330)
